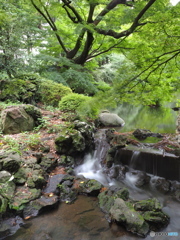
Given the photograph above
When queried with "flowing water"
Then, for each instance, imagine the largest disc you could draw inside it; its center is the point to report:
(83, 220)
(170, 206)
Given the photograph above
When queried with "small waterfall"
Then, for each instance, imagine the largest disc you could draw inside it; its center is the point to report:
(91, 167)
(133, 161)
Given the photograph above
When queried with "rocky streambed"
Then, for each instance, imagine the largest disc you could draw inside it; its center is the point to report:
(33, 183)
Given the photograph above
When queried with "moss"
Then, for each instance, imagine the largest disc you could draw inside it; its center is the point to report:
(122, 193)
(105, 201)
(156, 217)
(3, 204)
(148, 205)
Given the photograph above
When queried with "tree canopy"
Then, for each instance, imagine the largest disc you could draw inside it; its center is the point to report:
(87, 29)
(124, 49)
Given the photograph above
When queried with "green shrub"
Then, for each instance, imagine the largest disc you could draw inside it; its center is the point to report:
(88, 110)
(80, 81)
(31, 88)
(103, 86)
(52, 92)
(72, 102)
(22, 88)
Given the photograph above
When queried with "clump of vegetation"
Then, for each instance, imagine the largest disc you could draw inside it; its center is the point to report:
(8, 143)
(52, 92)
(72, 102)
(31, 88)
(22, 88)
(33, 141)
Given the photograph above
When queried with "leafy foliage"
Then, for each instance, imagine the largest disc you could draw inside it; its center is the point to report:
(17, 36)
(52, 92)
(31, 88)
(72, 102)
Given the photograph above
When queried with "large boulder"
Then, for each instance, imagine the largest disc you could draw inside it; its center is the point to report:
(107, 119)
(20, 118)
(138, 217)
(76, 139)
(123, 213)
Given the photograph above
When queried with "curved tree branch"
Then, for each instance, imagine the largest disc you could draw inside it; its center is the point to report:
(132, 28)
(76, 14)
(154, 67)
(51, 23)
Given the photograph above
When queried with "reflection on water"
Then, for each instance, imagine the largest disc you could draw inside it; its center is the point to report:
(162, 120)
(81, 220)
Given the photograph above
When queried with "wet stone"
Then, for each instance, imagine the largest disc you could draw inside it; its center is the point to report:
(90, 187)
(123, 213)
(53, 183)
(161, 184)
(10, 226)
(148, 205)
(35, 207)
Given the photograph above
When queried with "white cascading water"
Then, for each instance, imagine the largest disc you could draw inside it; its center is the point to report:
(92, 169)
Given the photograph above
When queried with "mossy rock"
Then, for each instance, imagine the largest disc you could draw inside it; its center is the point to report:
(22, 196)
(7, 190)
(106, 201)
(19, 118)
(3, 205)
(124, 213)
(148, 205)
(122, 193)
(70, 142)
(90, 187)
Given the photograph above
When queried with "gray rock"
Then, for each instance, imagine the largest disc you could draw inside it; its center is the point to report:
(162, 184)
(124, 213)
(110, 120)
(10, 226)
(35, 207)
(53, 183)
(16, 119)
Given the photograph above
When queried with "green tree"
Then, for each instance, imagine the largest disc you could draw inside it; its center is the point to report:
(19, 33)
(89, 28)
(150, 73)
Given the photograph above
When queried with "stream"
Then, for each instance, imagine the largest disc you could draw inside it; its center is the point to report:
(83, 219)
